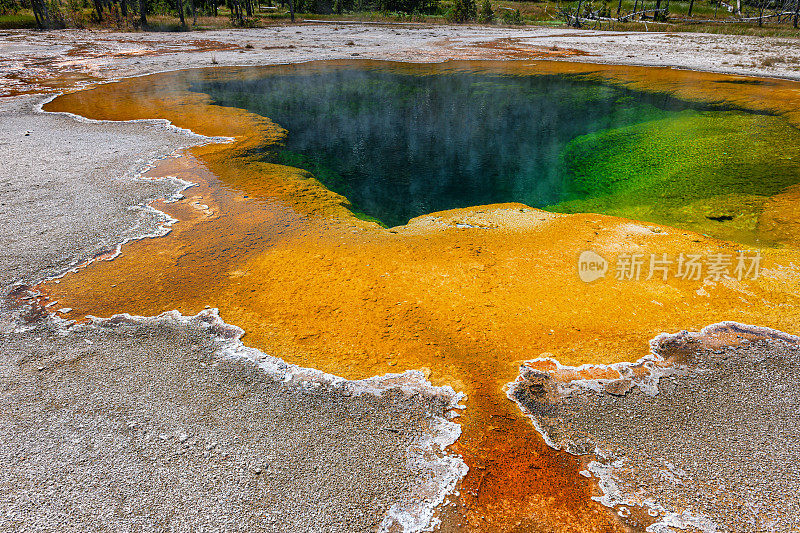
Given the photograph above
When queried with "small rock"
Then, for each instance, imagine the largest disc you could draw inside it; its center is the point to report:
(619, 387)
(183, 437)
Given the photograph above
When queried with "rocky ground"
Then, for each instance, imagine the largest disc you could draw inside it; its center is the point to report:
(153, 425)
(704, 433)
(41, 61)
(68, 190)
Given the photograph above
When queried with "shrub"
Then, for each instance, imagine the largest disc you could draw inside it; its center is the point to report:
(9, 7)
(463, 11)
(513, 18)
(486, 15)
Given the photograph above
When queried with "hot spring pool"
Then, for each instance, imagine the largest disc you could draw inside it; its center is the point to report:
(400, 143)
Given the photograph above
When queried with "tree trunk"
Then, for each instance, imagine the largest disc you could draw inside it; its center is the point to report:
(194, 13)
(46, 13)
(214, 3)
(143, 12)
(291, 9)
(179, 7)
(124, 6)
(619, 9)
(236, 7)
(691, 5)
(578, 14)
(739, 7)
(98, 8)
(37, 14)
(796, 12)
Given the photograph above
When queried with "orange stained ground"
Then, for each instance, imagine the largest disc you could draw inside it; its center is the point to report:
(467, 295)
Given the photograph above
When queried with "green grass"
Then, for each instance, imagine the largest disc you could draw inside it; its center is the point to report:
(19, 20)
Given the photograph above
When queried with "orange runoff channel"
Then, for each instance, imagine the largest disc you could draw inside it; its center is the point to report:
(465, 295)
